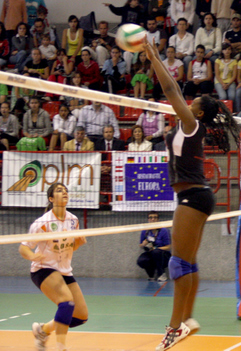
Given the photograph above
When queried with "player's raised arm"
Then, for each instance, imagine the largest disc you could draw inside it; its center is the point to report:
(171, 90)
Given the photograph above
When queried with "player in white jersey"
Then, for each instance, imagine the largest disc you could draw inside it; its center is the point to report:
(51, 269)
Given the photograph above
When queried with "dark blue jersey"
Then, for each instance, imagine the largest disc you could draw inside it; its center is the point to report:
(186, 155)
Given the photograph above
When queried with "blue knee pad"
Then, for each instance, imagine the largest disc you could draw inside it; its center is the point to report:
(194, 268)
(178, 267)
(64, 312)
(76, 321)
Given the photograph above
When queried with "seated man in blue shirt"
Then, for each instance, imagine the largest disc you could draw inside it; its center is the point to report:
(157, 245)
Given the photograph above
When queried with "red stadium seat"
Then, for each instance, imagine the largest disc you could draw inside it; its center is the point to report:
(125, 133)
(114, 108)
(132, 114)
(52, 107)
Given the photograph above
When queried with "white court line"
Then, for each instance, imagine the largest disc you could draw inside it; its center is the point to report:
(13, 317)
(233, 347)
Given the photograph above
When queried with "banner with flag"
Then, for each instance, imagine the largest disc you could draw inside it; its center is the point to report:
(140, 182)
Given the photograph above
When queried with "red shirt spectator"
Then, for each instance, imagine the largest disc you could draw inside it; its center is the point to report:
(89, 70)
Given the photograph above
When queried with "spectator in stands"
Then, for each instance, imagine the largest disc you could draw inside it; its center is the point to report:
(94, 117)
(169, 24)
(175, 68)
(37, 67)
(153, 124)
(162, 145)
(32, 8)
(48, 51)
(76, 104)
(183, 9)
(64, 124)
(89, 70)
(13, 12)
(108, 142)
(36, 121)
(20, 47)
(143, 73)
(38, 30)
(3, 93)
(19, 100)
(203, 7)
(183, 42)
(9, 127)
(158, 11)
(199, 75)
(80, 141)
(233, 36)
(138, 141)
(210, 36)
(221, 10)
(131, 12)
(113, 71)
(157, 245)
(72, 38)
(101, 44)
(61, 68)
(238, 89)
(226, 74)
(4, 46)
(236, 7)
(42, 13)
(159, 35)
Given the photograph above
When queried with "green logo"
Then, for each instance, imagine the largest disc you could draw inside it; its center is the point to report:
(54, 227)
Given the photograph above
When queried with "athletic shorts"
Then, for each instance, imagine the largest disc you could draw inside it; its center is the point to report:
(201, 199)
(39, 276)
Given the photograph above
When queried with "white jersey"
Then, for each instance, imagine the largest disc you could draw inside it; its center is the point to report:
(58, 252)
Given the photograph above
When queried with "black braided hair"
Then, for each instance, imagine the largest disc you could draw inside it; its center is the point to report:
(219, 120)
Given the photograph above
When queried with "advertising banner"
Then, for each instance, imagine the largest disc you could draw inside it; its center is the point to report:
(140, 182)
(27, 176)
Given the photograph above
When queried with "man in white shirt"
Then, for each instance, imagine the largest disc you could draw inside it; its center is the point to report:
(160, 36)
(183, 42)
(94, 117)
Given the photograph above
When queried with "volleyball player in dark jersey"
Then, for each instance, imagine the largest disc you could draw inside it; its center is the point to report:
(195, 198)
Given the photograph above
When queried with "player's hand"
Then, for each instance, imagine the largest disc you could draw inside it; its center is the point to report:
(38, 257)
(80, 241)
(150, 50)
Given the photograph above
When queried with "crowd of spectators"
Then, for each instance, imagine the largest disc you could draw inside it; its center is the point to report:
(200, 62)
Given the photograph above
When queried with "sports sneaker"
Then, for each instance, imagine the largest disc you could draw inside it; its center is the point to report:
(172, 336)
(193, 325)
(162, 278)
(40, 336)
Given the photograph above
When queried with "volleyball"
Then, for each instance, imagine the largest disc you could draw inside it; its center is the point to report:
(129, 37)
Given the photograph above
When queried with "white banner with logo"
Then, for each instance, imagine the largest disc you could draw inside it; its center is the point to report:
(140, 182)
(26, 177)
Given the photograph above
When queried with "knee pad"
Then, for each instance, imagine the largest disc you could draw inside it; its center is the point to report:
(178, 267)
(194, 268)
(64, 312)
(76, 321)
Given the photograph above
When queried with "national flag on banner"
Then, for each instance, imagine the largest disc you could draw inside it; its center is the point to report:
(130, 159)
(119, 178)
(164, 159)
(119, 197)
(119, 168)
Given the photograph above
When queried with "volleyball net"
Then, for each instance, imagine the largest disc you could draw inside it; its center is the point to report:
(135, 183)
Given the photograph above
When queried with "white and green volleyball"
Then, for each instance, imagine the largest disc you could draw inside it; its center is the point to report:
(129, 37)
